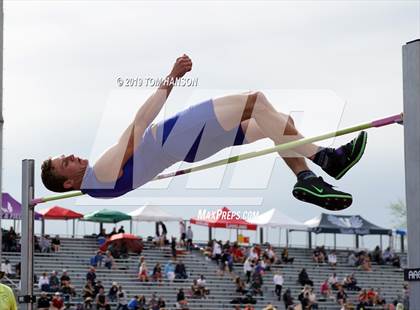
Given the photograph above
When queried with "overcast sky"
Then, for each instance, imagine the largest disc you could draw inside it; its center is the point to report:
(337, 63)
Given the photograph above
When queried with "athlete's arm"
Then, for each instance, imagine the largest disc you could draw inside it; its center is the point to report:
(151, 108)
(109, 166)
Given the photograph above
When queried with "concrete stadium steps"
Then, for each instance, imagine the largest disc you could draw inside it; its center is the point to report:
(75, 254)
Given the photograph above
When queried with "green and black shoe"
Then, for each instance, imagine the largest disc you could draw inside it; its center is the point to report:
(339, 161)
(317, 191)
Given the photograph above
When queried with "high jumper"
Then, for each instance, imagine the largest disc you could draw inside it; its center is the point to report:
(146, 148)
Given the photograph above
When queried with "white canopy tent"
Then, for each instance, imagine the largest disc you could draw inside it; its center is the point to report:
(275, 218)
(148, 213)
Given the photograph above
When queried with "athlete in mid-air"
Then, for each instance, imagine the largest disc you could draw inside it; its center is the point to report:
(145, 148)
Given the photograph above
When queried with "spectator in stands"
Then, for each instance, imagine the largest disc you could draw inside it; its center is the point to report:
(143, 274)
(97, 287)
(43, 303)
(380, 300)
(371, 294)
(10, 242)
(332, 259)
(121, 230)
(169, 271)
(182, 302)
(307, 298)
(341, 296)
(102, 235)
(134, 303)
(56, 243)
(224, 261)
(278, 284)
(17, 269)
(253, 253)
(249, 307)
(122, 299)
(303, 278)
(201, 282)
(160, 304)
(67, 291)
(64, 278)
(377, 255)
(109, 260)
(57, 303)
(173, 246)
(269, 257)
(113, 291)
(240, 286)
(6, 267)
(285, 257)
(88, 290)
(153, 302)
(37, 247)
(288, 300)
(182, 233)
(313, 303)
(216, 251)
(96, 260)
(88, 303)
(318, 256)
(113, 232)
(363, 300)
(387, 255)
(142, 303)
(54, 282)
(325, 290)
(350, 283)
(237, 253)
(102, 301)
(256, 283)
(248, 268)
(180, 271)
(352, 259)
(260, 266)
(196, 290)
(189, 237)
(157, 273)
(390, 257)
(45, 244)
(365, 264)
(91, 275)
(44, 282)
(333, 281)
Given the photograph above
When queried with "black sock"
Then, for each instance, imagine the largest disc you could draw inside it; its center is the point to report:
(321, 158)
(306, 174)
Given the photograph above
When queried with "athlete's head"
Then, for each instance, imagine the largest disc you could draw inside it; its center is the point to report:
(63, 173)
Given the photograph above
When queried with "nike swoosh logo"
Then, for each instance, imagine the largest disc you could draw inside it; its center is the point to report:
(319, 190)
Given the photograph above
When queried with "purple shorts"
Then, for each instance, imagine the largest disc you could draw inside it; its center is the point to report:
(195, 134)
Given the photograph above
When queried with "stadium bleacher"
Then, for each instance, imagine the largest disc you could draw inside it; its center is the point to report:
(76, 253)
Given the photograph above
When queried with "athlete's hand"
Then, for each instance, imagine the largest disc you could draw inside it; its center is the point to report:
(182, 65)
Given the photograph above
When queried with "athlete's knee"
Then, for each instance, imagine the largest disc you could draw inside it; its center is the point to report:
(257, 102)
(290, 129)
(290, 121)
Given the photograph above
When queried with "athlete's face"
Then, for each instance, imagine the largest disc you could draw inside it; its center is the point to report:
(70, 167)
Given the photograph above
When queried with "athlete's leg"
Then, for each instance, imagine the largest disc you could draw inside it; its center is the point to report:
(254, 133)
(279, 127)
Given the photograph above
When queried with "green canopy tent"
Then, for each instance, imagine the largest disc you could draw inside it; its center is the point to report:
(106, 216)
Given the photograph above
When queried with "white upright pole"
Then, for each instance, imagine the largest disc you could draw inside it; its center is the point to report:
(1, 118)
(411, 92)
(27, 248)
